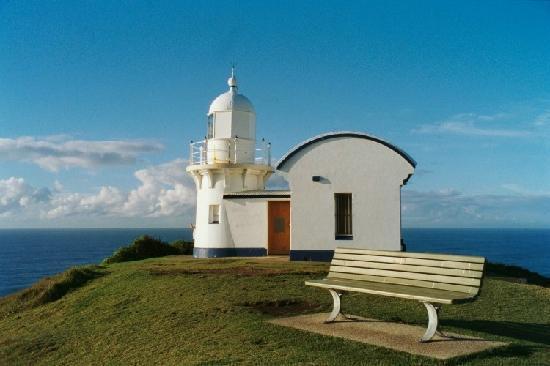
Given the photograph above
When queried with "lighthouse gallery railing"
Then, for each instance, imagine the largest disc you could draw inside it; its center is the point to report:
(227, 151)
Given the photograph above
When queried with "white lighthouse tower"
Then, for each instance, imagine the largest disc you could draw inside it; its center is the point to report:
(227, 161)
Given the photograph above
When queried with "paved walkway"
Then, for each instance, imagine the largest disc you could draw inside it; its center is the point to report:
(397, 336)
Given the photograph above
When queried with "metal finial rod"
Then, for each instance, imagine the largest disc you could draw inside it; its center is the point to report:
(232, 81)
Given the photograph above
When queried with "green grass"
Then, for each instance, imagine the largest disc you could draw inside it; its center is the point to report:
(49, 289)
(178, 311)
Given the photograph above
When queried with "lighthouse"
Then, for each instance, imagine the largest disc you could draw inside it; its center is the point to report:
(344, 189)
(228, 161)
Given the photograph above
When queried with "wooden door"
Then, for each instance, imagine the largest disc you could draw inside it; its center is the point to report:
(278, 227)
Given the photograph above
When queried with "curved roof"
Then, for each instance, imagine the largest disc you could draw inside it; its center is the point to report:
(231, 101)
(332, 135)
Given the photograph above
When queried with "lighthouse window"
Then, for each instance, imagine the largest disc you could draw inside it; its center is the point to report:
(342, 216)
(214, 214)
(210, 126)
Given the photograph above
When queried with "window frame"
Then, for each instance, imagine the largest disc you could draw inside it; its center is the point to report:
(213, 213)
(343, 216)
(210, 128)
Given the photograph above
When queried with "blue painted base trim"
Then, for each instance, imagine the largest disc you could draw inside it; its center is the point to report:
(228, 252)
(311, 255)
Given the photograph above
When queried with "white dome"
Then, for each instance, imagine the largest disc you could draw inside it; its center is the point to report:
(231, 101)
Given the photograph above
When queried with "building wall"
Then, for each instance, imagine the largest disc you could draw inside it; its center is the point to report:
(244, 125)
(247, 219)
(372, 172)
(211, 235)
(218, 239)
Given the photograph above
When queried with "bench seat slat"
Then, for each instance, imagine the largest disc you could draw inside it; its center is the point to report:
(394, 290)
(408, 261)
(403, 281)
(410, 275)
(409, 268)
(446, 257)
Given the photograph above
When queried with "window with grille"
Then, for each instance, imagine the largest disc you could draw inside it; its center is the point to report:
(343, 216)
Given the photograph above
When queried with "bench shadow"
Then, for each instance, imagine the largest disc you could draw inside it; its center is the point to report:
(353, 318)
(510, 351)
(352, 321)
(531, 332)
(449, 338)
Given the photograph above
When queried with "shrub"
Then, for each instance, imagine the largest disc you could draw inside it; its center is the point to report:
(148, 247)
(505, 270)
(184, 247)
(143, 247)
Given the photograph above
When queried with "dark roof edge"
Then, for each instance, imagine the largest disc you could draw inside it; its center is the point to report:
(242, 196)
(332, 135)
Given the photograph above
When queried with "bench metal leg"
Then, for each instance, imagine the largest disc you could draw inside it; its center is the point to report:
(336, 307)
(433, 321)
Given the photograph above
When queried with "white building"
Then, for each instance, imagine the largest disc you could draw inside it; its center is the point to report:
(345, 190)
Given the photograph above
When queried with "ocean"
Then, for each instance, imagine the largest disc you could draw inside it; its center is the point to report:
(27, 255)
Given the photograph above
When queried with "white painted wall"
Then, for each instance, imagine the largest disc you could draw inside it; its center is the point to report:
(243, 125)
(224, 180)
(247, 219)
(372, 172)
(222, 124)
(211, 235)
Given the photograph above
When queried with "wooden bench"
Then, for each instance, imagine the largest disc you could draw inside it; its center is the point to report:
(429, 278)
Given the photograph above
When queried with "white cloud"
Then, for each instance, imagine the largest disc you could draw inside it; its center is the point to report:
(16, 195)
(489, 117)
(542, 119)
(165, 194)
(104, 203)
(518, 189)
(59, 151)
(164, 190)
(468, 124)
(277, 181)
(57, 186)
(451, 208)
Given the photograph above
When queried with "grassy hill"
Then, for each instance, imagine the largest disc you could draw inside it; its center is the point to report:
(177, 311)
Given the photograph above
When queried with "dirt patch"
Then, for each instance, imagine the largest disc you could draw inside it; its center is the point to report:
(282, 307)
(247, 271)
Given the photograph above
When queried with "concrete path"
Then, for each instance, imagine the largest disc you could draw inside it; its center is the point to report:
(400, 337)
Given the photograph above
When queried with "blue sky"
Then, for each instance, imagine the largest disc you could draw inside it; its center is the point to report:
(99, 100)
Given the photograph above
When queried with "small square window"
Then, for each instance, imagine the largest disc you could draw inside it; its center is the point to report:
(214, 214)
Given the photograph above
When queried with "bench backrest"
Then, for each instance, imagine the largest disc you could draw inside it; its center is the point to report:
(459, 273)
